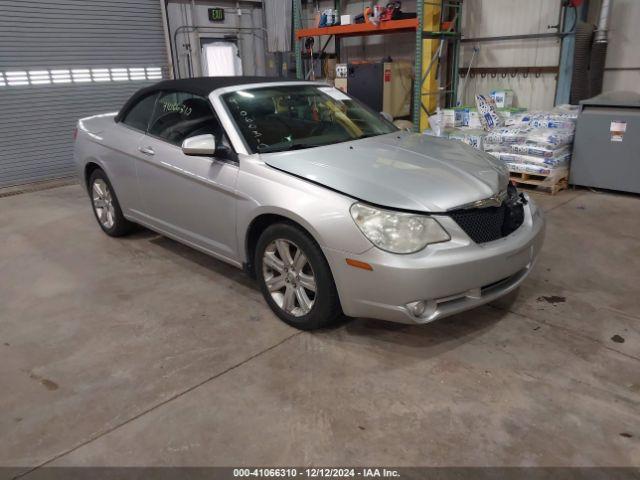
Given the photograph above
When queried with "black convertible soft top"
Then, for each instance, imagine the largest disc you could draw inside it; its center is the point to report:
(202, 86)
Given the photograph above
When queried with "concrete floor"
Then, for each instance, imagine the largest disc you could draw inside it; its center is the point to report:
(140, 351)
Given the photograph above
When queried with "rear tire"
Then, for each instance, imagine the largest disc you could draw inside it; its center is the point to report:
(295, 278)
(106, 207)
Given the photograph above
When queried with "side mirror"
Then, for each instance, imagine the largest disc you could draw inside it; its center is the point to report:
(387, 116)
(199, 145)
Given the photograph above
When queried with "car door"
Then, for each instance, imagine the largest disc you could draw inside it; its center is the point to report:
(120, 156)
(190, 197)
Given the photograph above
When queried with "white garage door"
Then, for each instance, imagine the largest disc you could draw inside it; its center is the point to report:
(62, 60)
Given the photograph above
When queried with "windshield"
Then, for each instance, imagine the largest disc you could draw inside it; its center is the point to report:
(279, 118)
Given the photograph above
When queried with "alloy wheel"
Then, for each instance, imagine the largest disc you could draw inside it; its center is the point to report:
(103, 203)
(289, 277)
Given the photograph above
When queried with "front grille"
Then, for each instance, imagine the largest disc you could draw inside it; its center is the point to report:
(481, 224)
(491, 223)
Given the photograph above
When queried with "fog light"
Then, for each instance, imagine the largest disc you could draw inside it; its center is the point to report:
(417, 308)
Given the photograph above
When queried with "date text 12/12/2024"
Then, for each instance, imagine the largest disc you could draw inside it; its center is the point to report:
(315, 473)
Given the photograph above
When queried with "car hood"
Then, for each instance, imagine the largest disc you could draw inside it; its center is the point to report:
(399, 170)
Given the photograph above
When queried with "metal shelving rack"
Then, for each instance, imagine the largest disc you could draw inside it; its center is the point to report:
(432, 32)
(297, 26)
(426, 93)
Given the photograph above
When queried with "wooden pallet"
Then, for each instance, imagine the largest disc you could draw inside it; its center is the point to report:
(535, 181)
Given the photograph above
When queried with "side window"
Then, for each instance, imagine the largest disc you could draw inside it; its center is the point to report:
(139, 115)
(182, 115)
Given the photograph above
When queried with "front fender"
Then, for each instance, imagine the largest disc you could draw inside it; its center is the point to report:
(322, 212)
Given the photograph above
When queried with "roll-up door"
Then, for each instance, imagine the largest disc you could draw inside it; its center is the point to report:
(63, 60)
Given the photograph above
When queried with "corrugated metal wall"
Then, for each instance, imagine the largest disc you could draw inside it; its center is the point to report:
(63, 60)
(622, 69)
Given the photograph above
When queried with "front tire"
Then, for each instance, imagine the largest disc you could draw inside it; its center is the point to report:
(106, 207)
(295, 278)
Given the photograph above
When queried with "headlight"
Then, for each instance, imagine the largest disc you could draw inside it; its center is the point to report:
(397, 232)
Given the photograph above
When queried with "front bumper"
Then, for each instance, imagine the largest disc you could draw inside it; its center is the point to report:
(450, 277)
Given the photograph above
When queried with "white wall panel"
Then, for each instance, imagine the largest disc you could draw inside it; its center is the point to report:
(530, 92)
(624, 47)
(489, 18)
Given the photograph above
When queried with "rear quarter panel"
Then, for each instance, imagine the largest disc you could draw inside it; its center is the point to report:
(112, 147)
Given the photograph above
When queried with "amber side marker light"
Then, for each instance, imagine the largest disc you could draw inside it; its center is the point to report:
(359, 264)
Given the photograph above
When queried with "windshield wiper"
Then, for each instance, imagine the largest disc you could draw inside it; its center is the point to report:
(284, 148)
(367, 135)
(300, 146)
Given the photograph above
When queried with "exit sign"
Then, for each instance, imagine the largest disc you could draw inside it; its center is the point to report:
(216, 14)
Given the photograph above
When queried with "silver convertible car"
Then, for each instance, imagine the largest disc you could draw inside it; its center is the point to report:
(331, 207)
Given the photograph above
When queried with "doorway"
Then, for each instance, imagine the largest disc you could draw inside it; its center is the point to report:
(220, 57)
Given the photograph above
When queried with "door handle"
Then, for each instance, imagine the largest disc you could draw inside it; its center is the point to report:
(146, 150)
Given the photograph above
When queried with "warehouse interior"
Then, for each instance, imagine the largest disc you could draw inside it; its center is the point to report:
(141, 351)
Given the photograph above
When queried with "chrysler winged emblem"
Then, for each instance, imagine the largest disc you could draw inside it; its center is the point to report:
(493, 201)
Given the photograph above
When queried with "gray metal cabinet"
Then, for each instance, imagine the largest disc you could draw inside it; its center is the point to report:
(606, 152)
